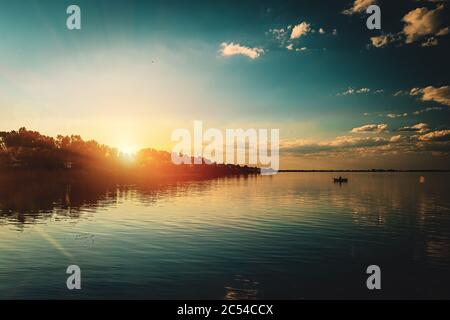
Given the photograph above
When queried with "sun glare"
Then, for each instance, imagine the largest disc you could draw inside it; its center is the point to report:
(128, 150)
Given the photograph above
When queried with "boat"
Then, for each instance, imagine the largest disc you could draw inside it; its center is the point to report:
(340, 180)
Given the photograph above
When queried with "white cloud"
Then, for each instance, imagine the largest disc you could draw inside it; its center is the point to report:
(439, 135)
(419, 24)
(359, 6)
(400, 93)
(343, 143)
(422, 22)
(396, 138)
(415, 91)
(286, 36)
(300, 30)
(279, 34)
(232, 49)
(430, 42)
(351, 145)
(443, 31)
(430, 93)
(396, 115)
(351, 91)
(370, 128)
(291, 47)
(384, 40)
(428, 110)
(420, 127)
(440, 95)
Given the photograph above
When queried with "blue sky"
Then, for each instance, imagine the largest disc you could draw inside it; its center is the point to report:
(144, 68)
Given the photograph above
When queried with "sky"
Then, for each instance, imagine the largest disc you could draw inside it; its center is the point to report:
(343, 96)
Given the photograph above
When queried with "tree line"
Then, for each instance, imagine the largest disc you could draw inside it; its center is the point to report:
(26, 149)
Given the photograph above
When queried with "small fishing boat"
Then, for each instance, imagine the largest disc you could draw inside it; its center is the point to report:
(340, 180)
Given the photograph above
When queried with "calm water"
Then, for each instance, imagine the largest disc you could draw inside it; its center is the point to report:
(293, 235)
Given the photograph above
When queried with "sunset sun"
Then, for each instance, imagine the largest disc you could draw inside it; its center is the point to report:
(128, 149)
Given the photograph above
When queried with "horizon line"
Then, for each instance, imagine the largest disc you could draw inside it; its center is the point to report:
(364, 170)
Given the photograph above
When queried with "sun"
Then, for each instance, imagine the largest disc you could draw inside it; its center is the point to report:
(127, 149)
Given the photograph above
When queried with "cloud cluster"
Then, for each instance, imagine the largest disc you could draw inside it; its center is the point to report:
(342, 143)
(430, 42)
(370, 128)
(351, 91)
(428, 110)
(438, 94)
(288, 37)
(419, 127)
(384, 39)
(359, 6)
(280, 33)
(439, 135)
(396, 115)
(412, 142)
(420, 24)
(300, 29)
(291, 47)
(232, 49)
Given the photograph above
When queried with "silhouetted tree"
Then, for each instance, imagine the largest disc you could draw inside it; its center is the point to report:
(32, 150)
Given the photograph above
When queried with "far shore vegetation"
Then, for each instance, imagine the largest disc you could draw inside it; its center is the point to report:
(26, 150)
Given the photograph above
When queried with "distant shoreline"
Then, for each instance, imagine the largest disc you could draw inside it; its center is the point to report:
(365, 170)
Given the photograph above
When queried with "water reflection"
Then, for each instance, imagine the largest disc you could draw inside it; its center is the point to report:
(27, 197)
(293, 235)
(242, 289)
